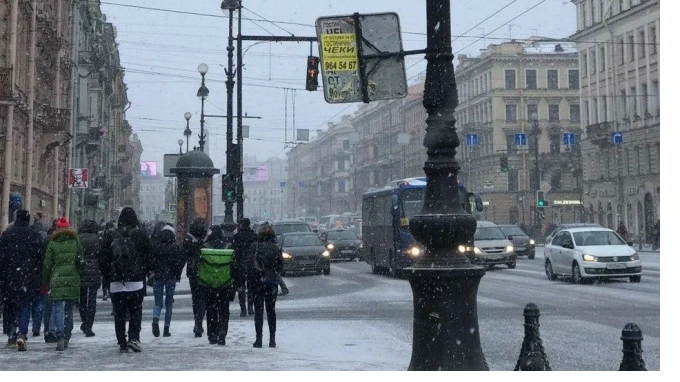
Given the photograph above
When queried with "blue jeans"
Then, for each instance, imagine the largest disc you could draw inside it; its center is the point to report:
(61, 322)
(37, 310)
(158, 299)
(18, 314)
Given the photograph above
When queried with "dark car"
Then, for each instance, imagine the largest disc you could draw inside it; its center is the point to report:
(561, 227)
(304, 252)
(524, 245)
(342, 244)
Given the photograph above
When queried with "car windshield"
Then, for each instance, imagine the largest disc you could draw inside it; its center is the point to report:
(301, 241)
(280, 229)
(341, 235)
(489, 233)
(589, 238)
(513, 231)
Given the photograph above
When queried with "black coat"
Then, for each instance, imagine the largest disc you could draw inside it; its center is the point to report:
(191, 249)
(21, 260)
(242, 243)
(267, 259)
(167, 258)
(90, 271)
(143, 249)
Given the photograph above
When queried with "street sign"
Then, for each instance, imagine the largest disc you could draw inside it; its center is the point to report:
(520, 139)
(172, 208)
(170, 161)
(617, 137)
(569, 139)
(471, 140)
(302, 184)
(349, 74)
(545, 187)
(282, 184)
(245, 131)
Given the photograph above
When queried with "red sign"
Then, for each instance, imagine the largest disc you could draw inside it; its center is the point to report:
(78, 178)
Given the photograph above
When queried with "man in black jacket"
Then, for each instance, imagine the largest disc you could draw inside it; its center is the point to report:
(242, 241)
(90, 274)
(193, 242)
(127, 258)
(21, 255)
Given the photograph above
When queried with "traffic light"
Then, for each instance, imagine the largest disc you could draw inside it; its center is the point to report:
(504, 163)
(228, 189)
(312, 73)
(540, 199)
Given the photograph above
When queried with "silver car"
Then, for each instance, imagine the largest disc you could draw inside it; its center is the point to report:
(492, 247)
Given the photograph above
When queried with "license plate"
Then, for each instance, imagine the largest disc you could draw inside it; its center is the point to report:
(347, 251)
(616, 266)
(520, 249)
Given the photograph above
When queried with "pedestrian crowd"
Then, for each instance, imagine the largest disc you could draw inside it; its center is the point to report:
(45, 273)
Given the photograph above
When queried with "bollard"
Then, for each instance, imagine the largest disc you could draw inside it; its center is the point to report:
(532, 356)
(631, 335)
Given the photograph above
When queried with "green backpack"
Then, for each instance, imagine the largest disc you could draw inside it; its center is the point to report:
(215, 266)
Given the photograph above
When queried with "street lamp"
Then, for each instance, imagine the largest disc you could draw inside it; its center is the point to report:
(202, 94)
(180, 142)
(537, 183)
(187, 131)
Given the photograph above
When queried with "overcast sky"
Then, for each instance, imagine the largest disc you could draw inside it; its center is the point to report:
(161, 50)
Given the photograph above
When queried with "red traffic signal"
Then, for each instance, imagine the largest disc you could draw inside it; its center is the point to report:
(312, 82)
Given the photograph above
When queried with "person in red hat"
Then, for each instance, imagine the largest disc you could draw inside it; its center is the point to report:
(61, 275)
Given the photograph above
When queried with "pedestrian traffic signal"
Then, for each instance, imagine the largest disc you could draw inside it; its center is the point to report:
(504, 163)
(540, 199)
(312, 73)
(228, 189)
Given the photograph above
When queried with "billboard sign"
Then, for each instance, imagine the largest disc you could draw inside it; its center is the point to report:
(78, 178)
(170, 161)
(256, 174)
(148, 168)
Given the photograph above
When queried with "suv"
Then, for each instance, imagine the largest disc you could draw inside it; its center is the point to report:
(492, 247)
(524, 245)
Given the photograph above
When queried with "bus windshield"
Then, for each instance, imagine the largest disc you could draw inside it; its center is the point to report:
(412, 202)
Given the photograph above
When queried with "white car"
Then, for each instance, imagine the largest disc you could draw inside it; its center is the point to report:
(587, 253)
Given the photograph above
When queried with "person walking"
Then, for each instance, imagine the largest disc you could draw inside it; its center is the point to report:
(91, 275)
(38, 305)
(215, 270)
(21, 256)
(127, 258)
(61, 275)
(191, 247)
(166, 271)
(109, 227)
(267, 263)
(243, 239)
(622, 231)
(49, 334)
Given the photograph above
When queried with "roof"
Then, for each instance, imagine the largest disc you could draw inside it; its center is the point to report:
(586, 229)
(550, 47)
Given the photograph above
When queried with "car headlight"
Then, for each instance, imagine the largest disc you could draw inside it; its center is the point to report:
(326, 254)
(330, 246)
(478, 251)
(634, 257)
(587, 257)
(509, 248)
(532, 242)
(287, 256)
(361, 245)
(414, 251)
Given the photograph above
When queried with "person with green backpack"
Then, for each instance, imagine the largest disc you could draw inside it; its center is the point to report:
(215, 275)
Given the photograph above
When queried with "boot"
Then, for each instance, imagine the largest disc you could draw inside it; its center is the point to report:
(155, 330)
(198, 330)
(251, 311)
(61, 344)
(166, 331)
(258, 342)
(243, 313)
(272, 340)
(21, 343)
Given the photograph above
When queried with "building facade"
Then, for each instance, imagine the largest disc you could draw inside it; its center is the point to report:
(264, 197)
(619, 56)
(152, 197)
(530, 88)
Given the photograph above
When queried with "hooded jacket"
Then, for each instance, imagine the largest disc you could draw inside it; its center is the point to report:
(128, 225)
(243, 240)
(90, 272)
(267, 258)
(21, 259)
(192, 245)
(61, 270)
(167, 258)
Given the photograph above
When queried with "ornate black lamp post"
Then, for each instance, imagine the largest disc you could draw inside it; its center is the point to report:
(202, 94)
(187, 131)
(443, 281)
(180, 142)
(228, 7)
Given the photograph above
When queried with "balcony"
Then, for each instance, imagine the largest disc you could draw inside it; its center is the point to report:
(5, 84)
(51, 119)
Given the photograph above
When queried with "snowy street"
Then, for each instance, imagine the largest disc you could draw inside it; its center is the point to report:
(354, 320)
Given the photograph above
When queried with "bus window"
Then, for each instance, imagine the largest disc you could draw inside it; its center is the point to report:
(412, 202)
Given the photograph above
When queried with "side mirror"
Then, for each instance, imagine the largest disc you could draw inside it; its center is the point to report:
(510, 237)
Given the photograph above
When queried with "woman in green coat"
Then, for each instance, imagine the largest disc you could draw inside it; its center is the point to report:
(61, 275)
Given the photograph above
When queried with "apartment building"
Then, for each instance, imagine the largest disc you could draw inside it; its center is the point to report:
(619, 57)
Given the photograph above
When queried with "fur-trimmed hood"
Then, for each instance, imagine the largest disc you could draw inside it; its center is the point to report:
(64, 234)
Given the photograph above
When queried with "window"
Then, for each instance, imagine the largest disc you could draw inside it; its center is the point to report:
(593, 17)
(583, 15)
(573, 79)
(531, 78)
(641, 43)
(633, 100)
(513, 179)
(604, 109)
(584, 64)
(341, 186)
(555, 143)
(553, 80)
(656, 106)
(531, 110)
(510, 143)
(596, 111)
(631, 48)
(652, 40)
(586, 112)
(553, 113)
(511, 113)
(510, 79)
(592, 62)
(621, 50)
(603, 61)
(602, 9)
(645, 100)
(574, 113)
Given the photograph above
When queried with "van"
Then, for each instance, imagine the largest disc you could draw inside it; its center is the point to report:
(492, 247)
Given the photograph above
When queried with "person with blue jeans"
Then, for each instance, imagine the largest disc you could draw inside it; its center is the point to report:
(166, 268)
(61, 275)
(37, 310)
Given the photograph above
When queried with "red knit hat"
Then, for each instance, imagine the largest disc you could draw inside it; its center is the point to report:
(63, 223)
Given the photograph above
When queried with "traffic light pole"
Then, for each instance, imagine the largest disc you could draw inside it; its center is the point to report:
(228, 204)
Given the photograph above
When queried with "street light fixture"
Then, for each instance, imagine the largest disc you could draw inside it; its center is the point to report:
(202, 94)
(229, 6)
(180, 142)
(187, 131)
